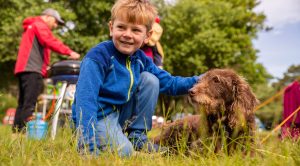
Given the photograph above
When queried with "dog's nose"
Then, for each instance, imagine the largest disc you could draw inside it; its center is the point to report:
(192, 92)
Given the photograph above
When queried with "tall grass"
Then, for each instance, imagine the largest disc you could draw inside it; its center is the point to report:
(18, 150)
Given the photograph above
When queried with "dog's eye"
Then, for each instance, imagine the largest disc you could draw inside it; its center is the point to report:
(216, 79)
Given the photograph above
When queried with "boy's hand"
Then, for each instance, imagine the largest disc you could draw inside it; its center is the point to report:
(74, 55)
(200, 76)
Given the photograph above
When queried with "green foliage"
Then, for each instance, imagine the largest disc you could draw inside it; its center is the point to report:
(6, 101)
(92, 17)
(292, 74)
(91, 23)
(271, 114)
(199, 35)
(8, 81)
(12, 13)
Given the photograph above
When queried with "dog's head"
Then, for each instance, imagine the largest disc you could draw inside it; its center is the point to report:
(223, 89)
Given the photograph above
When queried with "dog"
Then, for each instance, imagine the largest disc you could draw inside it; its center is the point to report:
(225, 118)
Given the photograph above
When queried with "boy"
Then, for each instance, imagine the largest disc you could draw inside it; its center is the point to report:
(118, 85)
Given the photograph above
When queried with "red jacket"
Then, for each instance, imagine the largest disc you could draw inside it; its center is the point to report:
(291, 102)
(37, 41)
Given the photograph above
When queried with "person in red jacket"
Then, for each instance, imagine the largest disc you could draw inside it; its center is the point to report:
(32, 61)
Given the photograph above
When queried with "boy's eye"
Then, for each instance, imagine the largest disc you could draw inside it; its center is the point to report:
(120, 27)
(136, 30)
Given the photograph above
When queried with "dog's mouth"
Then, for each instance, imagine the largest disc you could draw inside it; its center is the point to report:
(203, 103)
(199, 103)
(199, 100)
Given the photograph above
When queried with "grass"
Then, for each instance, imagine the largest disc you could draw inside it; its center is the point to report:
(18, 150)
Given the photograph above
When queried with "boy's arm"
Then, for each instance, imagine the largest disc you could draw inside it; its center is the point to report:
(86, 106)
(171, 85)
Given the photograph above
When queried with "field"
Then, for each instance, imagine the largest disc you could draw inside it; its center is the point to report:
(18, 150)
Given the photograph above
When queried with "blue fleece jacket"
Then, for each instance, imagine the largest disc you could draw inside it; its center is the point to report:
(108, 79)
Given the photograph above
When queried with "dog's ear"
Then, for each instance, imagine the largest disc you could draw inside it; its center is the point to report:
(244, 97)
(244, 100)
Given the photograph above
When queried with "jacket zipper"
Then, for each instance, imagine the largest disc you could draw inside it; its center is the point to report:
(128, 66)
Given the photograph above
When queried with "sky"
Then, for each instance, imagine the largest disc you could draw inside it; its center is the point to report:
(279, 48)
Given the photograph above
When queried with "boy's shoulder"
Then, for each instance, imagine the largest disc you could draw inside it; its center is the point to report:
(101, 51)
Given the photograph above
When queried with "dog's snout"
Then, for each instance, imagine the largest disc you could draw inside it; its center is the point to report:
(192, 92)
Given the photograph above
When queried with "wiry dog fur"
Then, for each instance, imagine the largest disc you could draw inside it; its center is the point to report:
(225, 104)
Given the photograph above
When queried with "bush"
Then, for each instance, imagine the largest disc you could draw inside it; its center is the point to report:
(6, 101)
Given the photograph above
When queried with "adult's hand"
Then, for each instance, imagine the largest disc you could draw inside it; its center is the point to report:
(74, 55)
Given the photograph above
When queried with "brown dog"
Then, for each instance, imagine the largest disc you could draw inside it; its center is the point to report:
(226, 119)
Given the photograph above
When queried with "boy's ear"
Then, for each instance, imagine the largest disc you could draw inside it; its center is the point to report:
(148, 36)
(110, 24)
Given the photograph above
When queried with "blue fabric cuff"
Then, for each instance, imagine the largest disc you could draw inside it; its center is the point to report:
(200, 76)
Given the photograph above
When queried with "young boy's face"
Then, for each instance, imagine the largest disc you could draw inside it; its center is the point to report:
(128, 37)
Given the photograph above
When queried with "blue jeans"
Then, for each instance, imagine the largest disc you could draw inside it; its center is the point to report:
(134, 117)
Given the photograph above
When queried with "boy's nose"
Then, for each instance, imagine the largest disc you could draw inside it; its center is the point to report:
(128, 33)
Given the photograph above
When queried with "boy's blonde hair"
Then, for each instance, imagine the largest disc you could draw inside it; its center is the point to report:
(135, 11)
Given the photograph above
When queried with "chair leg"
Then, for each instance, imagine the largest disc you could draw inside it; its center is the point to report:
(57, 109)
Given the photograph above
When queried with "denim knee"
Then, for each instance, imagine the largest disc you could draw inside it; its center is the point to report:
(126, 150)
(149, 80)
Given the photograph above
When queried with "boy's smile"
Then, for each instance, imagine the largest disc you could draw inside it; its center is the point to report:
(128, 37)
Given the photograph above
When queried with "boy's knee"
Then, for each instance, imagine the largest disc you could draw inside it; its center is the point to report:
(126, 150)
(149, 79)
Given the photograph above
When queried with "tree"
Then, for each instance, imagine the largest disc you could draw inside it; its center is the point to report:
(92, 22)
(271, 114)
(292, 74)
(203, 34)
